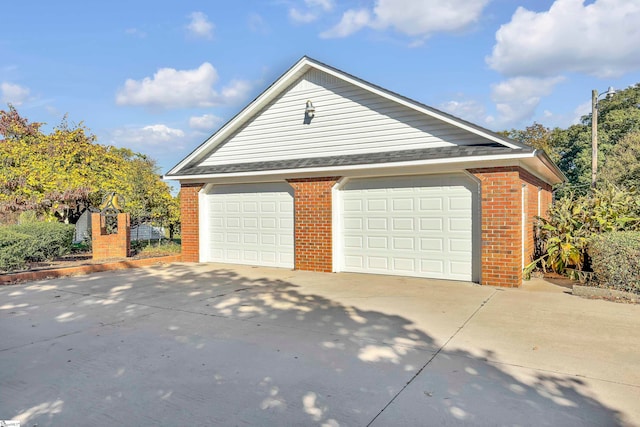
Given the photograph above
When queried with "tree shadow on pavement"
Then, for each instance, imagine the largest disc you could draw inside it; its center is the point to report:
(186, 345)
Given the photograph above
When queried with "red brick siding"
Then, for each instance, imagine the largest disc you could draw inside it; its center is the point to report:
(501, 230)
(105, 245)
(189, 222)
(501, 224)
(313, 223)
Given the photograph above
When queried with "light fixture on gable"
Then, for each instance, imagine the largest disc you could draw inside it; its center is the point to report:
(310, 110)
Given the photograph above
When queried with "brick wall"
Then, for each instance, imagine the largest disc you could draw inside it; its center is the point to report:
(189, 222)
(117, 245)
(501, 252)
(501, 224)
(313, 223)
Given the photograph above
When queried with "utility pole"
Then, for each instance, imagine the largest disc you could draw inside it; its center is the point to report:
(594, 137)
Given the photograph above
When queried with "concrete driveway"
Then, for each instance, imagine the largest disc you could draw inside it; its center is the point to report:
(215, 344)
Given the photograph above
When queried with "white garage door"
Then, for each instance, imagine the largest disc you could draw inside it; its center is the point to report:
(251, 224)
(418, 226)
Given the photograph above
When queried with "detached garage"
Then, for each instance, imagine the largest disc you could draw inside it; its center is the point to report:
(326, 172)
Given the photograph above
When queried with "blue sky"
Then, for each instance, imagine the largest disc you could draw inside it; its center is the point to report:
(160, 77)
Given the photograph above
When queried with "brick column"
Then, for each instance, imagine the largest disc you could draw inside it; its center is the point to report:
(313, 223)
(117, 245)
(501, 227)
(189, 222)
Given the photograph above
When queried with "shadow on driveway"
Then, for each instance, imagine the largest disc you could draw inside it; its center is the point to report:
(194, 345)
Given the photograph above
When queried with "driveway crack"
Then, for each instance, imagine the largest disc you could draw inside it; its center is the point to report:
(461, 327)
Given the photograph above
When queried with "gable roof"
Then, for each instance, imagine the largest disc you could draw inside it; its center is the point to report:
(491, 144)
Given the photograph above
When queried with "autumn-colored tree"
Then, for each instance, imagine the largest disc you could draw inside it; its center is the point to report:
(537, 136)
(58, 175)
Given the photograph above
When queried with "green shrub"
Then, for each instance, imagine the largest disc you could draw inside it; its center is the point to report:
(14, 248)
(615, 260)
(563, 237)
(52, 239)
(32, 242)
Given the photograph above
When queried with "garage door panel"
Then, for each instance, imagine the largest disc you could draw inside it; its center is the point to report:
(460, 245)
(353, 205)
(353, 242)
(460, 204)
(353, 224)
(377, 242)
(430, 224)
(377, 224)
(377, 263)
(432, 266)
(406, 265)
(251, 224)
(267, 239)
(403, 224)
(460, 224)
(402, 205)
(403, 243)
(377, 205)
(354, 262)
(249, 238)
(414, 226)
(430, 204)
(268, 223)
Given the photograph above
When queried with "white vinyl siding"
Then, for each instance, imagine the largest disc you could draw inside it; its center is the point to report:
(348, 120)
(410, 226)
(251, 224)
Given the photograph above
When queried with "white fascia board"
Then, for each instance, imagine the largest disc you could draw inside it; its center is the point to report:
(232, 125)
(469, 162)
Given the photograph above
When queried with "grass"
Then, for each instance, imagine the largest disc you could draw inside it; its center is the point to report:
(157, 249)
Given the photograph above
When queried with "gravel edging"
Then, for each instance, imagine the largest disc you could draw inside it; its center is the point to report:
(28, 276)
(593, 292)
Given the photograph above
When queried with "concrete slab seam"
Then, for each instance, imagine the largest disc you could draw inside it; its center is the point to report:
(493, 362)
(433, 356)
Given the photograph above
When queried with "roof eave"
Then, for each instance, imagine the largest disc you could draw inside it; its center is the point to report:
(459, 162)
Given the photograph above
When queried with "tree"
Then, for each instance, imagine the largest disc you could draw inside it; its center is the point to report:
(537, 136)
(58, 175)
(622, 165)
(570, 148)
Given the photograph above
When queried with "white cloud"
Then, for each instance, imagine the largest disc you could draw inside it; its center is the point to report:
(171, 88)
(302, 17)
(315, 8)
(326, 5)
(206, 122)
(517, 98)
(13, 93)
(599, 39)
(469, 110)
(200, 26)
(135, 32)
(257, 24)
(352, 21)
(158, 135)
(411, 17)
(581, 110)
